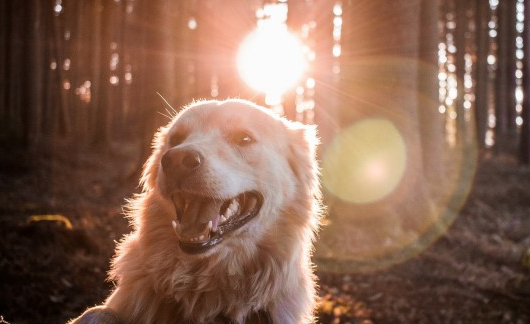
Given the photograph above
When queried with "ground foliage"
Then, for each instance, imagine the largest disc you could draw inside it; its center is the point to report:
(53, 267)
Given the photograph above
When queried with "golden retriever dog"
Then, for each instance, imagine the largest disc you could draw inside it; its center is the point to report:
(223, 230)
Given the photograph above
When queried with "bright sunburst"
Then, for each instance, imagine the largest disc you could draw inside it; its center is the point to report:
(271, 59)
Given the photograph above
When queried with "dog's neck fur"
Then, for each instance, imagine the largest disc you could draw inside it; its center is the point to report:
(233, 283)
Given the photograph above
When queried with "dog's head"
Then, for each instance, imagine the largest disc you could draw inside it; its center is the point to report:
(229, 169)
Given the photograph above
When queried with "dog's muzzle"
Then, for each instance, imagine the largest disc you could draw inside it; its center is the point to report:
(202, 222)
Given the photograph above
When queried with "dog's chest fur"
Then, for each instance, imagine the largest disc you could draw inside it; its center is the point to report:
(227, 289)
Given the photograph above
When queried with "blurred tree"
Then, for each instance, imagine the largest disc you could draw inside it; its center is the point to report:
(461, 34)
(481, 88)
(501, 77)
(524, 147)
(89, 71)
(511, 34)
(102, 107)
(505, 76)
(430, 119)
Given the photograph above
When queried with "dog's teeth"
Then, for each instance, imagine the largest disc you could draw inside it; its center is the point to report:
(211, 229)
(234, 206)
(223, 219)
(175, 225)
(229, 213)
(215, 224)
(201, 237)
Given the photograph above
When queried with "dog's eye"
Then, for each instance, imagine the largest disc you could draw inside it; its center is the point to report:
(176, 139)
(242, 138)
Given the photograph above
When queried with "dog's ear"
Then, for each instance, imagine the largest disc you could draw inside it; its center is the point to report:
(151, 166)
(303, 143)
(302, 160)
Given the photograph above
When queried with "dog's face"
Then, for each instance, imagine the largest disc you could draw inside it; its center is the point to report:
(229, 170)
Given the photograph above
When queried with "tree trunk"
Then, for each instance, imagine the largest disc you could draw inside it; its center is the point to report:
(481, 92)
(36, 66)
(14, 68)
(59, 52)
(431, 121)
(115, 112)
(460, 43)
(524, 148)
(96, 69)
(4, 54)
(501, 79)
(101, 128)
(510, 67)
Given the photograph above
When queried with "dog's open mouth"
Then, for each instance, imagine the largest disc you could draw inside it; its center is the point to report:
(202, 222)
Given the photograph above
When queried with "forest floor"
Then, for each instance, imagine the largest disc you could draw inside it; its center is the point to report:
(61, 214)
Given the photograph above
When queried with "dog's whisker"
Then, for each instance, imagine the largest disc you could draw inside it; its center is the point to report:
(167, 116)
(170, 115)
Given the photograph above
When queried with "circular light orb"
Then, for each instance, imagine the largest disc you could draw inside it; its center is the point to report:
(365, 162)
(271, 59)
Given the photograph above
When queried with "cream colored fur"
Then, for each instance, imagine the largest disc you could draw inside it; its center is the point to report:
(263, 266)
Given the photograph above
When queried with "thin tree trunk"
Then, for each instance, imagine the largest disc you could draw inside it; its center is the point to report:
(83, 68)
(95, 68)
(4, 57)
(51, 79)
(524, 148)
(68, 35)
(36, 65)
(460, 37)
(115, 101)
(142, 84)
(501, 79)
(481, 92)
(430, 119)
(184, 57)
(24, 87)
(510, 67)
(15, 66)
(59, 53)
(102, 75)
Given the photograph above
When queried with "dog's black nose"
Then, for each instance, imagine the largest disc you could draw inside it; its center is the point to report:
(178, 161)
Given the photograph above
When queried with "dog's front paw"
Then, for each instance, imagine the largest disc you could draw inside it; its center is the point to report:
(97, 315)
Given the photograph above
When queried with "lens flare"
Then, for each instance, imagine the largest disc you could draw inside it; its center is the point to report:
(271, 59)
(394, 181)
(384, 205)
(365, 162)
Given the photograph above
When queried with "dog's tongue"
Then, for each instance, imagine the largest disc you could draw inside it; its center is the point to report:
(197, 213)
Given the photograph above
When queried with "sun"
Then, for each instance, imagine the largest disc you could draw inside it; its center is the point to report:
(271, 59)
